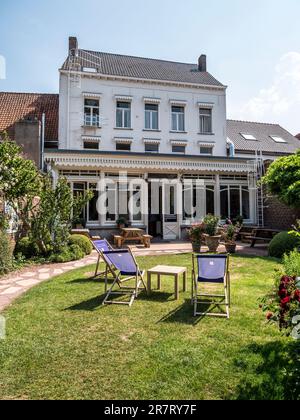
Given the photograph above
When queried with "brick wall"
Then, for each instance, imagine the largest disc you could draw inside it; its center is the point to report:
(279, 216)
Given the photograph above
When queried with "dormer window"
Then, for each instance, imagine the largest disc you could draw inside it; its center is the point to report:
(248, 137)
(278, 139)
(91, 112)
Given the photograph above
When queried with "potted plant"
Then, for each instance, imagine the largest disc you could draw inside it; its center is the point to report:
(196, 236)
(211, 235)
(121, 222)
(230, 233)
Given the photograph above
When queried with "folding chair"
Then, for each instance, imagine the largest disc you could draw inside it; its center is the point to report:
(124, 264)
(213, 269)
(101, 246)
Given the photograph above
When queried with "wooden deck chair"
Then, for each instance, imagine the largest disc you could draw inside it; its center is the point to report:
(127, 269)
(213, 269)
(101, 246)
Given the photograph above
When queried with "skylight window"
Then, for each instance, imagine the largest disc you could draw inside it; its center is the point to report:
(248, 137)
(278, 139)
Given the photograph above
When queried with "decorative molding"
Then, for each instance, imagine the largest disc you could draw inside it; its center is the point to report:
(92, 95)
(178, 102)
(96, 161)
(206, 144)
(124, 98)
(179, 142)
(156, 101)
(207, 105)
(91, 138)
(123, 140)
(152, 141)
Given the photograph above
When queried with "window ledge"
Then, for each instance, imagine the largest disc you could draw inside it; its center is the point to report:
(91, 126)
(206, 134)
(123, 128)
(151, 131)
(178, 132)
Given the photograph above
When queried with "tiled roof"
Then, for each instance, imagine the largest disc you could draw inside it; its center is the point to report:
(142, 68)
(19, 106)
(262, 132)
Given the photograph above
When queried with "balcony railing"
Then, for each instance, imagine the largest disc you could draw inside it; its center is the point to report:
(91, 120)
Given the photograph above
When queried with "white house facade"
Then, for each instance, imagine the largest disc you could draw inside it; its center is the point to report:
(149, 137)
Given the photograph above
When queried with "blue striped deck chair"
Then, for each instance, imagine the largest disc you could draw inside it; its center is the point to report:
(211, 269)
(126, 269)
(101, 246)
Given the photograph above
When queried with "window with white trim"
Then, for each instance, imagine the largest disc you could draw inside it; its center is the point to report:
(151, 116)
(235, 201)
(123, 116)
(205, 120)
(178, 123)
(125, 147)
(178, 149)
(151, 148)
(91, 112)
(91, 144)
(206, 150)
(198, 201)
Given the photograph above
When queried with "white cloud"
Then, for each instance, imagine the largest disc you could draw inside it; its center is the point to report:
(279, 103)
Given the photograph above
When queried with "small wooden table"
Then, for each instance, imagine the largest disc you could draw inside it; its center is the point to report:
(163, 270)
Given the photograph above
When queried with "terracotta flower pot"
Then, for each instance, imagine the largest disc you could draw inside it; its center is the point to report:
(230, 248)
(213, 242)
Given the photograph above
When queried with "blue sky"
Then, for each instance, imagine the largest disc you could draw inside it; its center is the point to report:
(252, 46)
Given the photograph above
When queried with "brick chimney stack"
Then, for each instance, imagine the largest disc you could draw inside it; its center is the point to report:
(73, 45)
(202, 63)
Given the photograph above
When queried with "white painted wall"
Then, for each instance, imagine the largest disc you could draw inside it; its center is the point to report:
(110, 88)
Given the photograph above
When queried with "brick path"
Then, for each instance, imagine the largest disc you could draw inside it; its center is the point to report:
(15, 284)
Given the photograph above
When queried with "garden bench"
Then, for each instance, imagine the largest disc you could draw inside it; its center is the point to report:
(262, 235)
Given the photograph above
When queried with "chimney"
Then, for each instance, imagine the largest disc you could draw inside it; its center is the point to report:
(202, 66)
(73, 45)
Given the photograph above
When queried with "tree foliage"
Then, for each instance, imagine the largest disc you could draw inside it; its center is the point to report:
(283, 179)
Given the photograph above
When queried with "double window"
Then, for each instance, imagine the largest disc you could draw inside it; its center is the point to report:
(178, 149)
(205, 121)
(178, 123)
(235, 201)
(206, 150)
(123, 147)
(198, 201)
(123, 119)
(151, 148)
(123, 200)
(151, 117)
(91, 112)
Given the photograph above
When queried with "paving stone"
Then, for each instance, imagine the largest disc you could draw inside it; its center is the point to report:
(28, 283)
(44, 270)
(44, 276)
(31, 274)
(11, 291)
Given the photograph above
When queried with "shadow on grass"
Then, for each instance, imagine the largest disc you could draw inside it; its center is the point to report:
(88, 305)
(184, 314)
(278, 375)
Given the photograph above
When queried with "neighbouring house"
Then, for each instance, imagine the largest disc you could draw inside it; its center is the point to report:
(31, 120)
(265, 142)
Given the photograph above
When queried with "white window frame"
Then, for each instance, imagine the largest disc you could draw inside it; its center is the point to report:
(177, 115)
(91, 120)
(239, 187)
(152, 113)
(206, 117)
(123, 111)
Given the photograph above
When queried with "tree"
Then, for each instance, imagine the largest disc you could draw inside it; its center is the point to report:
(20, 181)
(54, 215)
(283, 179)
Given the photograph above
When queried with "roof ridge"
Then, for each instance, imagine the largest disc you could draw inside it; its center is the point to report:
(254, 122)
(28, 93)
(140, 57)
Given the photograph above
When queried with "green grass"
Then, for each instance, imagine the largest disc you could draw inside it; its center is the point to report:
(63, 344)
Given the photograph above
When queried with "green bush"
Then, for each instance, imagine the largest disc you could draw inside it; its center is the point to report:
(83, 242)
(283, 243)
(6, 253)
(67, 254)
(291, 264)
(27, 248)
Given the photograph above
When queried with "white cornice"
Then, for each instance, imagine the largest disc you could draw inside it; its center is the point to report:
(184, 164)
(146, 81)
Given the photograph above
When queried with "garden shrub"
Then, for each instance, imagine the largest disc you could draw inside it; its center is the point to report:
(283, 243)
(67, 254)
(6, 253)
(27, 248)
(291, 264)
(83, 242)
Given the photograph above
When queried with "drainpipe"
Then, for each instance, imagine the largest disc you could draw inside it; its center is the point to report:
(43, 141)
(231, 148)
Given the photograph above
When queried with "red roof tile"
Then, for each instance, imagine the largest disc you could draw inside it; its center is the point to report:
(18, 106)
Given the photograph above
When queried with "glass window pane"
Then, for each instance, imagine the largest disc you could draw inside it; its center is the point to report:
(147, 120)
(181, 122)
(93, 213)
(235, 206)
(124, 105)
(154, 120)
(246, 204)
(174, 122)
(151, 107)
(153, 148)
(127, 118)
(210, 200)
(224, 203)
(119, 118)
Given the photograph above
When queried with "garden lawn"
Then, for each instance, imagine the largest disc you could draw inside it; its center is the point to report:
(63, 344)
